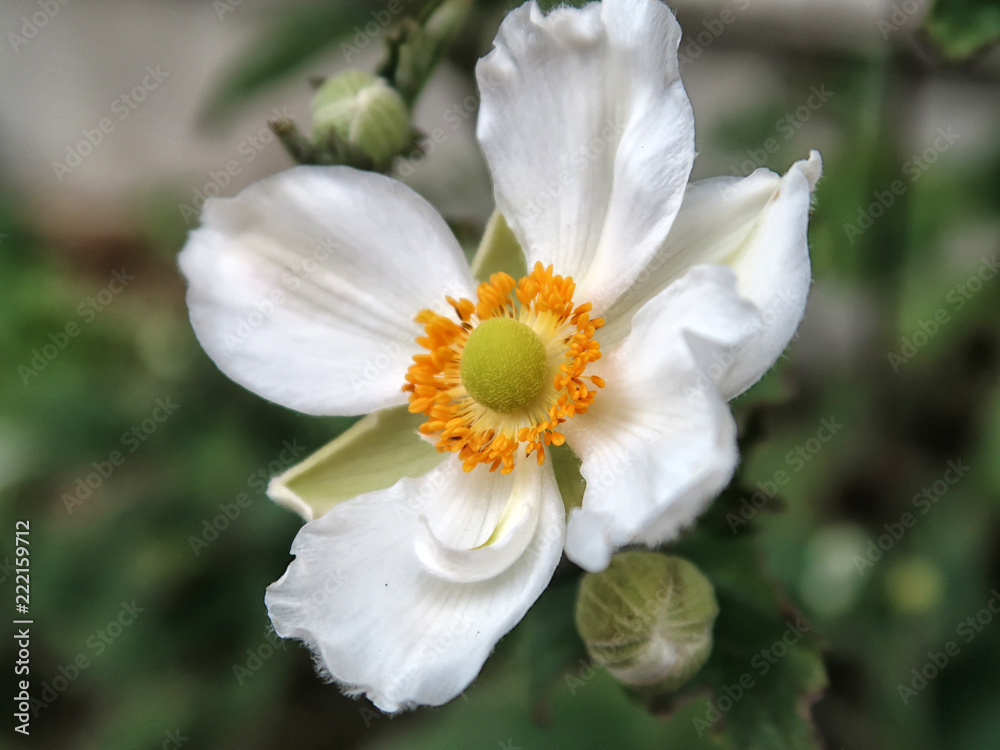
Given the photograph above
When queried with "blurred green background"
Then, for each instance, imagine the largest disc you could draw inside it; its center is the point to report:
(892, 380)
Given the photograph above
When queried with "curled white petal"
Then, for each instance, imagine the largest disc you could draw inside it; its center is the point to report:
(659, 442)
(756, 225)
(514, 531)
(385, 618)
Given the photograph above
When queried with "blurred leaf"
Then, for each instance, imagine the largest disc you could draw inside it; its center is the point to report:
(765, 670)
(587, 711)
(549, 644)
(414, 49)
(291, 41)
(963, 27)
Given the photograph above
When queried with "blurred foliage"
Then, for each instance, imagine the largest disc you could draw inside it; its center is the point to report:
(290, 38)
(415, 47)
(765, 670)
(199, 658)
(964, 27)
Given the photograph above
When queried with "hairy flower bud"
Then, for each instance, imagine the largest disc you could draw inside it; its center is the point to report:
(365, 112)
(648, 618)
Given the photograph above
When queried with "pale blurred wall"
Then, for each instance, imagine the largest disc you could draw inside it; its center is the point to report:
(72, 74)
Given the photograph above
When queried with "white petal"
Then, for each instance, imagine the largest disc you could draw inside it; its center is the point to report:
(515, 529)
(303, 288)
(756, 225)
(659, 442)
(589, 135)
(391, 593)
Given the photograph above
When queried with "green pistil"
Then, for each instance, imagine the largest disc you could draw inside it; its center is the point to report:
(503, 365)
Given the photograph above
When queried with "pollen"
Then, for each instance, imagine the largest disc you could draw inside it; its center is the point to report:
(499, 378)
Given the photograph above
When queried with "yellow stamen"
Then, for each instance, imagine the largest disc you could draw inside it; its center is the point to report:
(479, 432)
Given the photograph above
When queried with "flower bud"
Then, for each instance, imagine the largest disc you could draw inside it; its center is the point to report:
(365, 112)
(648, 618)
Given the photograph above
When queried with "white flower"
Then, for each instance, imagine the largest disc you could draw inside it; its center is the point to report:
(328, 290)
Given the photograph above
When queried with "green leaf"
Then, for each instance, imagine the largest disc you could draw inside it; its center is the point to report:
(372, 455)
(963, 27)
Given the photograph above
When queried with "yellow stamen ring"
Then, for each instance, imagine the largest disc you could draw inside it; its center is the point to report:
(510, 371)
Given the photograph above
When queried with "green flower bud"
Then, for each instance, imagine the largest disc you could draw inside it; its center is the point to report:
(365, 112)
(648, 618)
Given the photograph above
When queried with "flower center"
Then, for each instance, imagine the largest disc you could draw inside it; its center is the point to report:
(503, 365)
(508, 371)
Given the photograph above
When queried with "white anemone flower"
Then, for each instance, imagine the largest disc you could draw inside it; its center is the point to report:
(333, 291)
